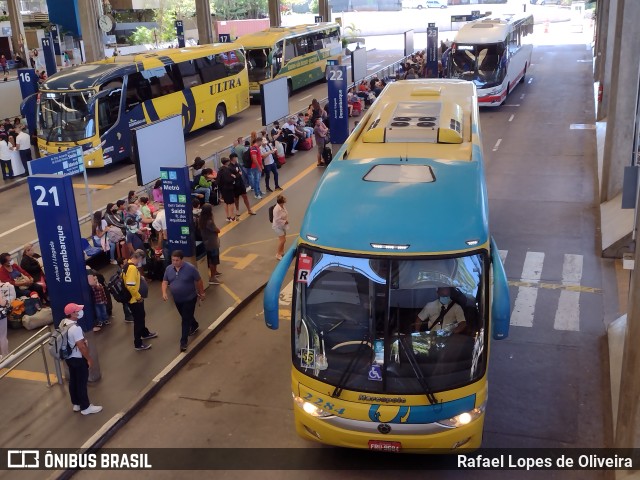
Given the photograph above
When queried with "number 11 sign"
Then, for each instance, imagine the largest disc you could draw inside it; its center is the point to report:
(54, 209)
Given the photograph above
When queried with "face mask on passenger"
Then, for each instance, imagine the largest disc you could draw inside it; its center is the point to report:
(80, 314)
(445, 300)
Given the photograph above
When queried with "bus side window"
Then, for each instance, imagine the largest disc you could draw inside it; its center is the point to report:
(109, 107)
(289, 50)
(236, 62)
(168, 81)
(138, 90)
(190, 77)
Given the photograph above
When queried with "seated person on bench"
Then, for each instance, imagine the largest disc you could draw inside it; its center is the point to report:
(441, 314)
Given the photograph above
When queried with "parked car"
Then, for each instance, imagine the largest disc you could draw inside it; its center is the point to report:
(420, 4)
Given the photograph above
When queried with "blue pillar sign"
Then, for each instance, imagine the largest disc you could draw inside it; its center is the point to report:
(338, 108)
(56, 40)
(28, 86)
(176, 193)
(432, 51)
(49, 56)
(54, 210)
(180, 33)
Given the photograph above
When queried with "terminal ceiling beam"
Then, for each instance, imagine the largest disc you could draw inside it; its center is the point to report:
(324, 10)
(89, 11)
(275, 20)
(17, 29)
(203, 18)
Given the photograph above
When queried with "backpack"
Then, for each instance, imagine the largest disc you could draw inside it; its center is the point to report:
(246, 158)
(17, 307)
(59, 347)
(117, 288)
(271, 212)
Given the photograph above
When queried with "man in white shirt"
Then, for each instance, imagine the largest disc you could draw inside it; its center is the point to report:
(269, 164)
(23, 144)
(79, 362)
(442, 314)
(290, 125)
(160, 225)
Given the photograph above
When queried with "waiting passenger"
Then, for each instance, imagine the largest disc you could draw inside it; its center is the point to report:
(443, 312)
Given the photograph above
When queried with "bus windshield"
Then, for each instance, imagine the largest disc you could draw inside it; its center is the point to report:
(258, 64)
(484, 64)
(64, 116)
(379, 325)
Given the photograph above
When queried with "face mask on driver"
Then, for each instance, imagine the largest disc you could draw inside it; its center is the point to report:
(445, 300)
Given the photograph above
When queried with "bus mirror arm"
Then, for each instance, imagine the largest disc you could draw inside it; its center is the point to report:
(92, 101)
(273, 288)
(501, 307)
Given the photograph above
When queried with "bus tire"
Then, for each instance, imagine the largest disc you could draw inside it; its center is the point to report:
(524, 74)
(289, 88)
(221, 116)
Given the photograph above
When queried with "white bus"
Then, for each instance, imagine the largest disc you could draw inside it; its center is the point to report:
(491, 53)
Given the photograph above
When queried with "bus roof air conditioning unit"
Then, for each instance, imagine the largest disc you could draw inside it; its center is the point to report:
(430, 122)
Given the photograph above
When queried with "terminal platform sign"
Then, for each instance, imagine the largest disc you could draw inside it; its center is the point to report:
(176, 193)
(69, 162)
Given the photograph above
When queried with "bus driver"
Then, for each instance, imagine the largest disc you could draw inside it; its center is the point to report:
(443, 311)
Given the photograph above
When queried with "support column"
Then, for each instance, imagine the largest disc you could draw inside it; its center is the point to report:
(203, 17)
(275, 19)
(89, 11)
(622, 94)
(18, 40)
(324, 10)
(627, 428)
(600, 51)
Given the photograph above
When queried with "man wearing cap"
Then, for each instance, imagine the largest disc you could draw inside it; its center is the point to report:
(132, 281)
(79, 362)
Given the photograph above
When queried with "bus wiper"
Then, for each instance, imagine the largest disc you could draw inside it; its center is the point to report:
(418, 373)
(350, 368)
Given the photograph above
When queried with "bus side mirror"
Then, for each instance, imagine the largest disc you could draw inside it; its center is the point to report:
(501, 306)
(271, 300)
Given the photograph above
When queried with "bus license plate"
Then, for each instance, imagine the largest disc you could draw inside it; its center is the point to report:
(381, 446)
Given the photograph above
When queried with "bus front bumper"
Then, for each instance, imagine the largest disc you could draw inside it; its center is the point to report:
(415, 438)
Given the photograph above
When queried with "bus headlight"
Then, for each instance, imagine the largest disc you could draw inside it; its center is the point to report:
(311, 409)
(464, 418)
(494, 91)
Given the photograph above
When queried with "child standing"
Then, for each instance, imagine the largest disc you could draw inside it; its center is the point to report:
(99, 300)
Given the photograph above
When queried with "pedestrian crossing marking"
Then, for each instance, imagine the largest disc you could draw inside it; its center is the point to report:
(567, 315)
(555, 286)
(525, 304)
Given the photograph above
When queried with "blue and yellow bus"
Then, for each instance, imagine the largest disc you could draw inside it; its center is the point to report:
(97, 104)
(399, 217)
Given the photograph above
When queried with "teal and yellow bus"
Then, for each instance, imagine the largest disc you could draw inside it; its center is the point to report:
(97, 104)
(298, 53)
(398, 286)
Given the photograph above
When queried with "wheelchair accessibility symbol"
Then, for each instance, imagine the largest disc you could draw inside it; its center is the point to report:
(375, 373)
